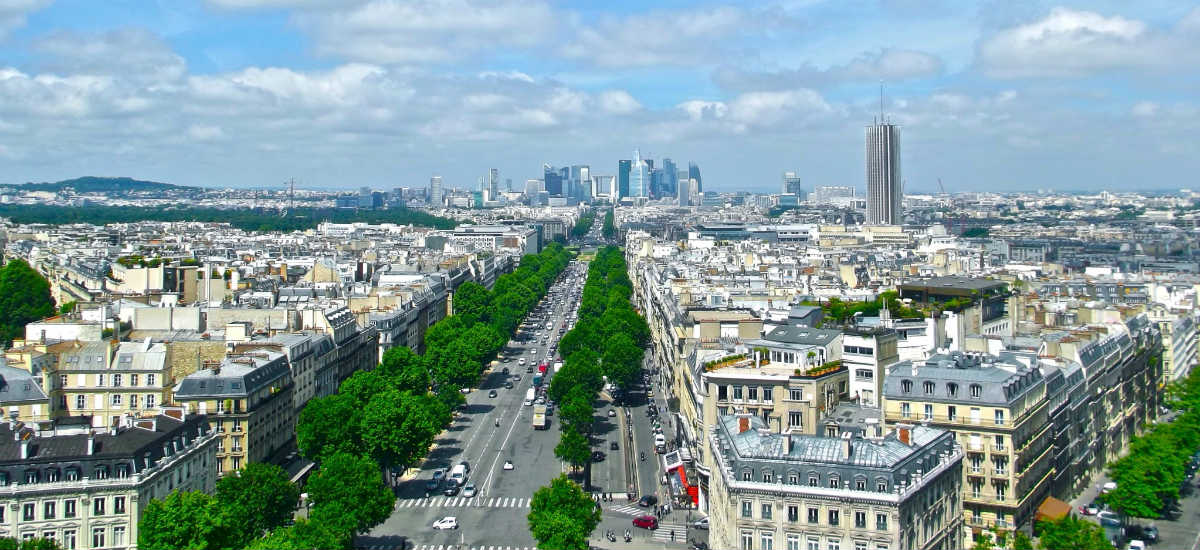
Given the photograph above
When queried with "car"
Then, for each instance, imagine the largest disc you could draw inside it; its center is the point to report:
(1136, 545)
(448, 522)
(597, 456)
(612, 413)
(701, 523)
(613, 446)
(1109, 519)
(469, 490)
(505, 371)
(508, 465)
(1147, 533)
(508, 385)
(465, 391)
(451, 490)
(646, 522)
(492, 393)
(1089, 509)
(647, 501)
(1107, 487)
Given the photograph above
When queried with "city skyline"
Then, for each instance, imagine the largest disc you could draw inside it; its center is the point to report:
(247, 93)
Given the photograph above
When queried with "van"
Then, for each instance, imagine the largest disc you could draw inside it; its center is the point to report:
(660, 442)
(529, 394)
(458, 475)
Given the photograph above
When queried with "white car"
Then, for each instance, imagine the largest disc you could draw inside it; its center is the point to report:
(508, 465)
(469, 491)
(448, 522)
(701, 523)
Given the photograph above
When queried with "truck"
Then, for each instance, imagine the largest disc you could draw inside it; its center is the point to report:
(539, 417)
(529, 395)
(557, 366)
(537, 380)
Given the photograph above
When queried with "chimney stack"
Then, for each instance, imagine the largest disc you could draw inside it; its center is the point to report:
(91, 443)
(25, 448)
(847, 447)
(743, 421)
(904, 433)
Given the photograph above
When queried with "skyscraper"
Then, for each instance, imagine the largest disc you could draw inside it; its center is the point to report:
(494, 184)
(639, 176)
(553, 181)
(684, 193)
(623, 169)
(694, 174)
(884, 191)
(791, 186)
(435, 191)
(670, 176)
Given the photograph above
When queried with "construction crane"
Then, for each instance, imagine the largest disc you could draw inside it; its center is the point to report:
(942, 187)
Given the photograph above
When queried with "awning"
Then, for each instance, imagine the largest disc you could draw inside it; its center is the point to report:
(1052, 509)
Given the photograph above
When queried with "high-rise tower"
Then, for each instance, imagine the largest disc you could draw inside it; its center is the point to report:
(884, 190)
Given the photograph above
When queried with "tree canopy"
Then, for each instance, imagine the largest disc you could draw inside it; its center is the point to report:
(185, 521)
(1071, 532)
(562, 515)
(348, 494)
(24, 298)
(255, 499)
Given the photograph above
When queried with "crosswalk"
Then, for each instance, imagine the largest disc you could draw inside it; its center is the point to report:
(457, 547)
(463, 502)
(629, 510)
(663, 533)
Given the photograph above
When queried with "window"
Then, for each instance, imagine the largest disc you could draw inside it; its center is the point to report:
(69, 539)
(116, 399)
(747, 540)
(834, 544)
(999, 443)
(747, 475)
(834, 482)
(952, 413)
(906, 386)
(116, 380)
(793, 479)
(80, 402)
(72, 474)
(766, 511)
(768, 394)
(48, 510)
(881, 486)
(237, 424)
(928, 411)
(999, 417)
(98, 506)
(149, 379)
(767, 477)
(747, 509)
(881, 522)
(97, 537)
(101, 472)
(737, 393)
(722, 392)
(905, 410)
(118, 535)
(952, 389)
(814, 515)
(834, 517)
(100, 380)
(793, 541)
(976, 391)
(766, 540)
(149, 400)
(795, 419)
(796, 395)
(812, 481)
(864, 374)
(118, 505)
(860, 545)
(32, 476)
(928, 387)
(49, 535)
(69, 508)
(752, 393)
(814, 543)
(860, 520)
(27, 511)
(793, 513)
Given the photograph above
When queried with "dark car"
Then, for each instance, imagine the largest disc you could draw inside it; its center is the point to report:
(1146, 533)
(508, 385)
(597, 456)
(613, 446)
(646, 522)
(647, 501)
(451, 490)
(492, 393)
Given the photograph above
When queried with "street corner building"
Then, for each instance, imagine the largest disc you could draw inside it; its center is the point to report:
(857, 491)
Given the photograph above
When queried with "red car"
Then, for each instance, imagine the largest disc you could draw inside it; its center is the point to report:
(646, 522)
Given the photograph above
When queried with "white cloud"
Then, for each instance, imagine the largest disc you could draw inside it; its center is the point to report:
(1071, 43)
(201, 132)
(887, 64)
(688, 38)
(1144, 109)
(13, 13)
(618, 102)
(133, 53)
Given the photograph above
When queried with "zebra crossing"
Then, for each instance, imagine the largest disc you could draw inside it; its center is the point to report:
(629, 510)
(458, 547)
(663, 533)
(464, 502)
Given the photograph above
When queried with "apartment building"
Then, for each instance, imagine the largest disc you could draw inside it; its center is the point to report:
(105, 380)
(866, 352)
(997, 408)
(311, 357)
(771, 490)
(85, 488)
(972, 305)
(785, 400)
(248, 399)
(21, 395)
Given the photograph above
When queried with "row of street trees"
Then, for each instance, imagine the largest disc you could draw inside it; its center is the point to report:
(584, 224)
(606, 342)
(1149, 477)
(610, 227)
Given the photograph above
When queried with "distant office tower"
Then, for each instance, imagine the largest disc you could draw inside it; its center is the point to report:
(552, 181)
(670, 176)
(581, 182)
(435, 190)
(494, 184)
(639, 176)
(791, 186)
(884, 192)
(694, 174)
(508, 181)
(532, 188)
(684, 193)
(830, 193)
(603, 186)
(624, 167)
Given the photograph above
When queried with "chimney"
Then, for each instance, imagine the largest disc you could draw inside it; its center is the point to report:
(847, 448)
(91, 443)
(904, 433)
(787, 439)
(25, 448)
(743, 422)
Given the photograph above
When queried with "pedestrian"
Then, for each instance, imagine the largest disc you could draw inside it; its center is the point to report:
(672, 535)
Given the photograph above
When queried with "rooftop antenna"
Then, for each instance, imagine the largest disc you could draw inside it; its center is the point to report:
(881, 121)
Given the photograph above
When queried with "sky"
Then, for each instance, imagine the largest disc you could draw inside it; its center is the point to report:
(991, 96)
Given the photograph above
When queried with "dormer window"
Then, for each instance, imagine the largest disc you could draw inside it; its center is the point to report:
(928, 387)
(976, 391)
(952, 389)
(906, 386)
(101, 472)
(31, 476)
(72, 474)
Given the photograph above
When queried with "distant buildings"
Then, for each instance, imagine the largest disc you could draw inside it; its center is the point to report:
(791, 186)
(435, 191)
(639, 176)
(884, 186)
(624, 167)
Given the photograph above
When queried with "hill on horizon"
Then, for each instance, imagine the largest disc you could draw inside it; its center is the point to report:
(97, 184)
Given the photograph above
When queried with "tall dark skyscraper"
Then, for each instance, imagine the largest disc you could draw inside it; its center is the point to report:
(791, 184)
(623, 169)
(553, 181)
(694, 174)
(884, 191)
(669, 177)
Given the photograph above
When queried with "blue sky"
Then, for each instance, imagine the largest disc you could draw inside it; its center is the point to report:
(341, 93)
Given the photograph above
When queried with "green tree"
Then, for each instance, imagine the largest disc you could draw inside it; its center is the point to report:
(562, 515)
(610, 227)
(24, 298)
(573, 448)
(398, 428)
(67, 307)
(621, 360)
(576, 410)
(184, 521)
(256, 498)
(471, 301)
(329, 425)
(1071, 532)
(581, 369)
(348, 495)
(1021, 541)
(9, 543)
(406, 370)
(304, 535)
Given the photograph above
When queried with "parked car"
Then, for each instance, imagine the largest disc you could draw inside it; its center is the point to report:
(647, 501)
(613, 446)
(646, 522)
(492, 393)
(1091, 508)
(1147, 533)
(1109, 519)
(597, 456)
(701, 523)
(612, 413)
